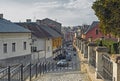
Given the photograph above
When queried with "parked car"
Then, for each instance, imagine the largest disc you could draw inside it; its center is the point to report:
(59, 57)
(62, 63)
(74, 49)
(68, 57)
(74, 54)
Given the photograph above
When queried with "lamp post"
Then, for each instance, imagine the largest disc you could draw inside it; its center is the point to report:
(118, 45)
(101, 41)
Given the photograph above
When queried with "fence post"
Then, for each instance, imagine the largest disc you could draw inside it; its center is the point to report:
(72, 65)
(36, 70)
(49, 66)
(9, 73)
(30, 71)
(46, 67)
(52, 66)
(43, 68)
(40, 68)
(22, 72)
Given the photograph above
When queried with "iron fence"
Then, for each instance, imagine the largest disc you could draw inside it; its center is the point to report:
(4, 74)
(31, 71)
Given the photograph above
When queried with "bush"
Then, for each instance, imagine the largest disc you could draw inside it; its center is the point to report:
(108, 43)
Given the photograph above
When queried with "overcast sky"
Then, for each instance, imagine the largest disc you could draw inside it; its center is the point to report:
(67, 12)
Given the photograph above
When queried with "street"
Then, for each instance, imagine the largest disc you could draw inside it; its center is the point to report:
(70, 73)
(64, 76)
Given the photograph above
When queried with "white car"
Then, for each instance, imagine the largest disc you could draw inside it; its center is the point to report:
(62, 63)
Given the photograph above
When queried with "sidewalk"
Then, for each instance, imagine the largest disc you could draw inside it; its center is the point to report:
(86, 68)
(63, 76)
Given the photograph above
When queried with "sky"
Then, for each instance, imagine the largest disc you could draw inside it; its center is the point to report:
(67, 12)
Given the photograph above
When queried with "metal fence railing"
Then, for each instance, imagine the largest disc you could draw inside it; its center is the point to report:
(4, 74)
(31, 71)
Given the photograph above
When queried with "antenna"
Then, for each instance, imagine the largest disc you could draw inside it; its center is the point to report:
(34, 18)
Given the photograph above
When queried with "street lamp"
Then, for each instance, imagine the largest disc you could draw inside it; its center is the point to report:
(118, 45)
(101, 41)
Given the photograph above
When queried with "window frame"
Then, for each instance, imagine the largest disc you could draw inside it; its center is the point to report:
(13, 47)
(5, 48)
(25, 45)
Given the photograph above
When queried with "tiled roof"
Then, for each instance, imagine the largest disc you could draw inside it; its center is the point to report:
(9, 27)
(94, 24)
(35, 30)
(52, 32)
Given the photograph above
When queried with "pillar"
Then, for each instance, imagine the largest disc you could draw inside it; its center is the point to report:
(116, 67)
(85, 50)
(99, 62)
(91, 47)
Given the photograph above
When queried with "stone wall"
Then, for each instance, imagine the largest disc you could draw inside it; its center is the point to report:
(15, 61)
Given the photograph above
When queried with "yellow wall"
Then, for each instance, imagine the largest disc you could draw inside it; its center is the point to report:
(57, 42)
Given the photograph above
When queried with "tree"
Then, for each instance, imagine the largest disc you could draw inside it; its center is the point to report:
(108, 12)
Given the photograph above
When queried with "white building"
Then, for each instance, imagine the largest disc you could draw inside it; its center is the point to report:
(41, 45)
(14, 43)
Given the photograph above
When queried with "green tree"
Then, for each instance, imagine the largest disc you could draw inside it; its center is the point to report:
(108, 12)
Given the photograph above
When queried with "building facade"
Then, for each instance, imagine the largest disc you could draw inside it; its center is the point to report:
(14, 44)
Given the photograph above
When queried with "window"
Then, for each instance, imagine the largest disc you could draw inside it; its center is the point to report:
(13, 47)
(96, 32)
(48, 48)
(33, 49)
(24, 44)
(5, 48)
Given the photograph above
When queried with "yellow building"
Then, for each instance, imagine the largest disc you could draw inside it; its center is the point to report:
(57, 42)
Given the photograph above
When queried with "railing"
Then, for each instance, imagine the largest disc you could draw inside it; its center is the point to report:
(4, 74)
(100, 73)
(32, 71)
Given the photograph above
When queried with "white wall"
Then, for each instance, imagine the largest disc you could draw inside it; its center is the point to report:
(17, 38)
(43, 44)
(40, 44)
(36, 56)
(48, 48)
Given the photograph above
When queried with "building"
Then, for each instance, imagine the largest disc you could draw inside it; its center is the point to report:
(53, 24)
(56, 37)
(93, 31)
(41, 46)
(15, 45)
(45, 40)
(68, 34)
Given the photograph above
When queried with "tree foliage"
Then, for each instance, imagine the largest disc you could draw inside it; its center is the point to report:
(108, 12)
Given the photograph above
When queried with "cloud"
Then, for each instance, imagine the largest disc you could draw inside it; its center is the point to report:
(68, 12)
(71, 12)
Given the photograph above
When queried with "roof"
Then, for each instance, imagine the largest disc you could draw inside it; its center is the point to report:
(94, 24)
(35, 29)
(9, 27)
(50, 20)
(52, 32)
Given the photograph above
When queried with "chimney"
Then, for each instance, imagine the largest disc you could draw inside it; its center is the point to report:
(1, 16)
(28, 20)
(38, 21)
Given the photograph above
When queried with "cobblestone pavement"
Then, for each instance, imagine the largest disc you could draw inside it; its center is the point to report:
(64, 76)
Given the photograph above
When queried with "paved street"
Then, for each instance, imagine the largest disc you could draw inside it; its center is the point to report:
(64, 76)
